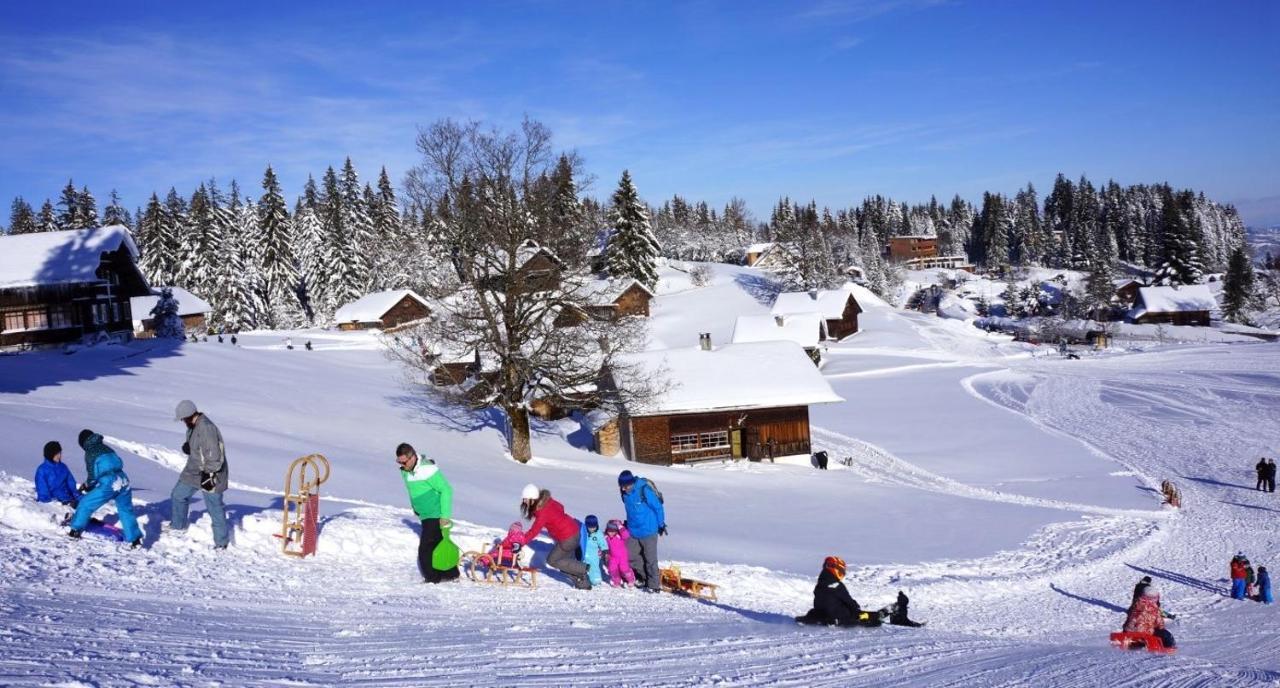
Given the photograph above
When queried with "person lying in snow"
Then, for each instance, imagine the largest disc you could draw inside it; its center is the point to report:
(54, 482)
(593, 549)
(1145, 616)
(106, 482)
(616, 535)
(832, 603)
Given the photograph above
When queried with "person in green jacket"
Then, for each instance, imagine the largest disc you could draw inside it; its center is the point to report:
(432, 499)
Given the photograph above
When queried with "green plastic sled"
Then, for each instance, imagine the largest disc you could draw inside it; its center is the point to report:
(446, 554)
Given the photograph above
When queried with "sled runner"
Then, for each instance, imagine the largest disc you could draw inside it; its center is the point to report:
(300, 526)
(673, 582)
(483, 567)
(1134, 641)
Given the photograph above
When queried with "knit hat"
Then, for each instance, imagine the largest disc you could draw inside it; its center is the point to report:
(530, 491)
(52, 449)
(614, 526)
(1151, 591)
(186, 409)
(1146, 579)
(84, 437)
(626, 478)
(592, 522)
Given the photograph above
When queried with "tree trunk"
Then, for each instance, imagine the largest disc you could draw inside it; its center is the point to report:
(518, 420)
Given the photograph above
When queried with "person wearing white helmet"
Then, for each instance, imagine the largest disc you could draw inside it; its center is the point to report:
(206, 471)
(545, 512)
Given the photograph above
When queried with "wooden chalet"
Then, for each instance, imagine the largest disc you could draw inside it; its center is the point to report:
(730, 402)
(837, 306)
(58, 287)
(905, 248)
(1126, 291)
(1189, 304)
(608, 300)
(752, 253)
(776, 257)
(537, 268)
(384, 310)
(193, 310)
(809, 330)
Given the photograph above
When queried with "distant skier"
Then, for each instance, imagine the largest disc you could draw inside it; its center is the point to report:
(206, 471)
(432, 499)
(233, 340)
(545, 512)
(1264, 586)
(898, 612)
(1238, 576)
(593, 546)
(616, 535)
(308, 345)
(1145, 616)
(54, 481)
(832, 603)
(105, 481)
(646, 519)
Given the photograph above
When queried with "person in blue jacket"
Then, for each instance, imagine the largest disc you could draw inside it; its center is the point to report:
(106, 481)
(646, 519)
(594, 549)
(54, 482)
(1264, 586)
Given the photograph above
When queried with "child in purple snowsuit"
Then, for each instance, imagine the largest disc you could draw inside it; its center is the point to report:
(615, 534)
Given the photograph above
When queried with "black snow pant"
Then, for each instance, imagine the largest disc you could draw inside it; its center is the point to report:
(564, 557)
(1165, 636)
(1262, 483)
(432, 536)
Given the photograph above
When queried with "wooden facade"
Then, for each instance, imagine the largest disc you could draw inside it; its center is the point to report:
(847, 324)
(1193, 318)
(906, 248)
(406, 310)
(755, 434)
(44, 314)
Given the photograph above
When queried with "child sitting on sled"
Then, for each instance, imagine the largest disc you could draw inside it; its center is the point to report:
(505, 553)
(615, 536)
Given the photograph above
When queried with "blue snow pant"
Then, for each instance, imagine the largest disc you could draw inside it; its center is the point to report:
(1237, 588)
(595, 573)
(181, 500)
(109, 487)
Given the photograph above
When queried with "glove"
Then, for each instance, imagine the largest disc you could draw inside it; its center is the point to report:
(208, 481)
(186, 447)
(662, 530)
(84, 488)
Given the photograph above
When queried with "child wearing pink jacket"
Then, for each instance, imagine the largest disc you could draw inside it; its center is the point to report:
(615, 534)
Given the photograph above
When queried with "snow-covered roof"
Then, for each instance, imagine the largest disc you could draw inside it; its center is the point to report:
(730, 377)
(527, 251)
(604, 292)
(806, 329)
(371, 307)
(1121, 282)
(188, 304)
(67, 257)
(829, 302)
(1189, 297)
(930, 237)
(760, 247)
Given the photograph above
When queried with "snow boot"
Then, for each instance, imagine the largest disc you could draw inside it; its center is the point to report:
(136, 544)
(582, 583)
(74, 534)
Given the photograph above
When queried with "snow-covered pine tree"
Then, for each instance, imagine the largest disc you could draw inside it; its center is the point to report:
(358, 236)
(1181, 263)
(275, 257)
(21, 218)
(248, 288)
(156, 244)
(309, 247)
(1012, 297)
(632, 250)
(116, 214)
(195, 252)
(1238, 286)
(48, 219)
(164, 314)
(88, 210)
(69, 207)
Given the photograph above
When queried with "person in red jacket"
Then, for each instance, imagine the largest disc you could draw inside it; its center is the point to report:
(545, 512)
(1238, 575)
(1145, 616)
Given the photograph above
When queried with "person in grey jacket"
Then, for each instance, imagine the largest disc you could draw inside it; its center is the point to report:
(206, 470)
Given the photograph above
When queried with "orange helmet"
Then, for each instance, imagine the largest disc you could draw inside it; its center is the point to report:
(835, 565)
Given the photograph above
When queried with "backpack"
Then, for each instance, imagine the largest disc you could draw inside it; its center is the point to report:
(655, 489)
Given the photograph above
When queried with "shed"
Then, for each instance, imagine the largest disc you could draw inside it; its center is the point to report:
(193, 310)
(837, 306)
(1189, 304)
(58, 287)
(753, 252)
(808, 330)
(385, 310)
(728, 402)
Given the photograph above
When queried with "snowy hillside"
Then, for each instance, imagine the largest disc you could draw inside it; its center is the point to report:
(1011, 494)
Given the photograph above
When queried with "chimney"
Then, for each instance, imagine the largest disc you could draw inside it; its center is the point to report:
(704, 340)
(780, 320)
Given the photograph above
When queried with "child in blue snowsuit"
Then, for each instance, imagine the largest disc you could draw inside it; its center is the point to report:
(1264, 586)
(54, 482)
(106, 481)
(594, 548)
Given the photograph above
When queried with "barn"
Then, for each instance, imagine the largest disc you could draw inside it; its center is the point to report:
(808, 330)
(58, 287)
(383, 310)
(193, 310)
(1189, 304)
(837, 307)
(728, 402)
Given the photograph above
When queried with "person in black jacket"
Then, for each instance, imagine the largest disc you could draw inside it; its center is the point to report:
(898, 612)
(832, 603)
(1261, 468)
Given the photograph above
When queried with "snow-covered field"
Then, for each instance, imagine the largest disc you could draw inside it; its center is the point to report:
(1011, 494)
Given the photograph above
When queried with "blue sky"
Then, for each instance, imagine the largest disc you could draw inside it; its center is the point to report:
(824, 99)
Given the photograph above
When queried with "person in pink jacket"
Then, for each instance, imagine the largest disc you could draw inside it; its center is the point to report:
(615, 534)
(545, 512)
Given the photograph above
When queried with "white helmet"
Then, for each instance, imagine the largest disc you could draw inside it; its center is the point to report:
(530, 491)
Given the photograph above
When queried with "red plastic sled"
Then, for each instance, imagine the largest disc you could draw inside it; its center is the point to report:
(1133, 641)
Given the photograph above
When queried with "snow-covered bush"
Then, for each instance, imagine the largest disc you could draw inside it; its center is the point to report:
(165, 314)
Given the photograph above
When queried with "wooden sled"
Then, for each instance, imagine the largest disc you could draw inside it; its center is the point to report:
(1134, 641)
(475, 567)
(674, 583)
